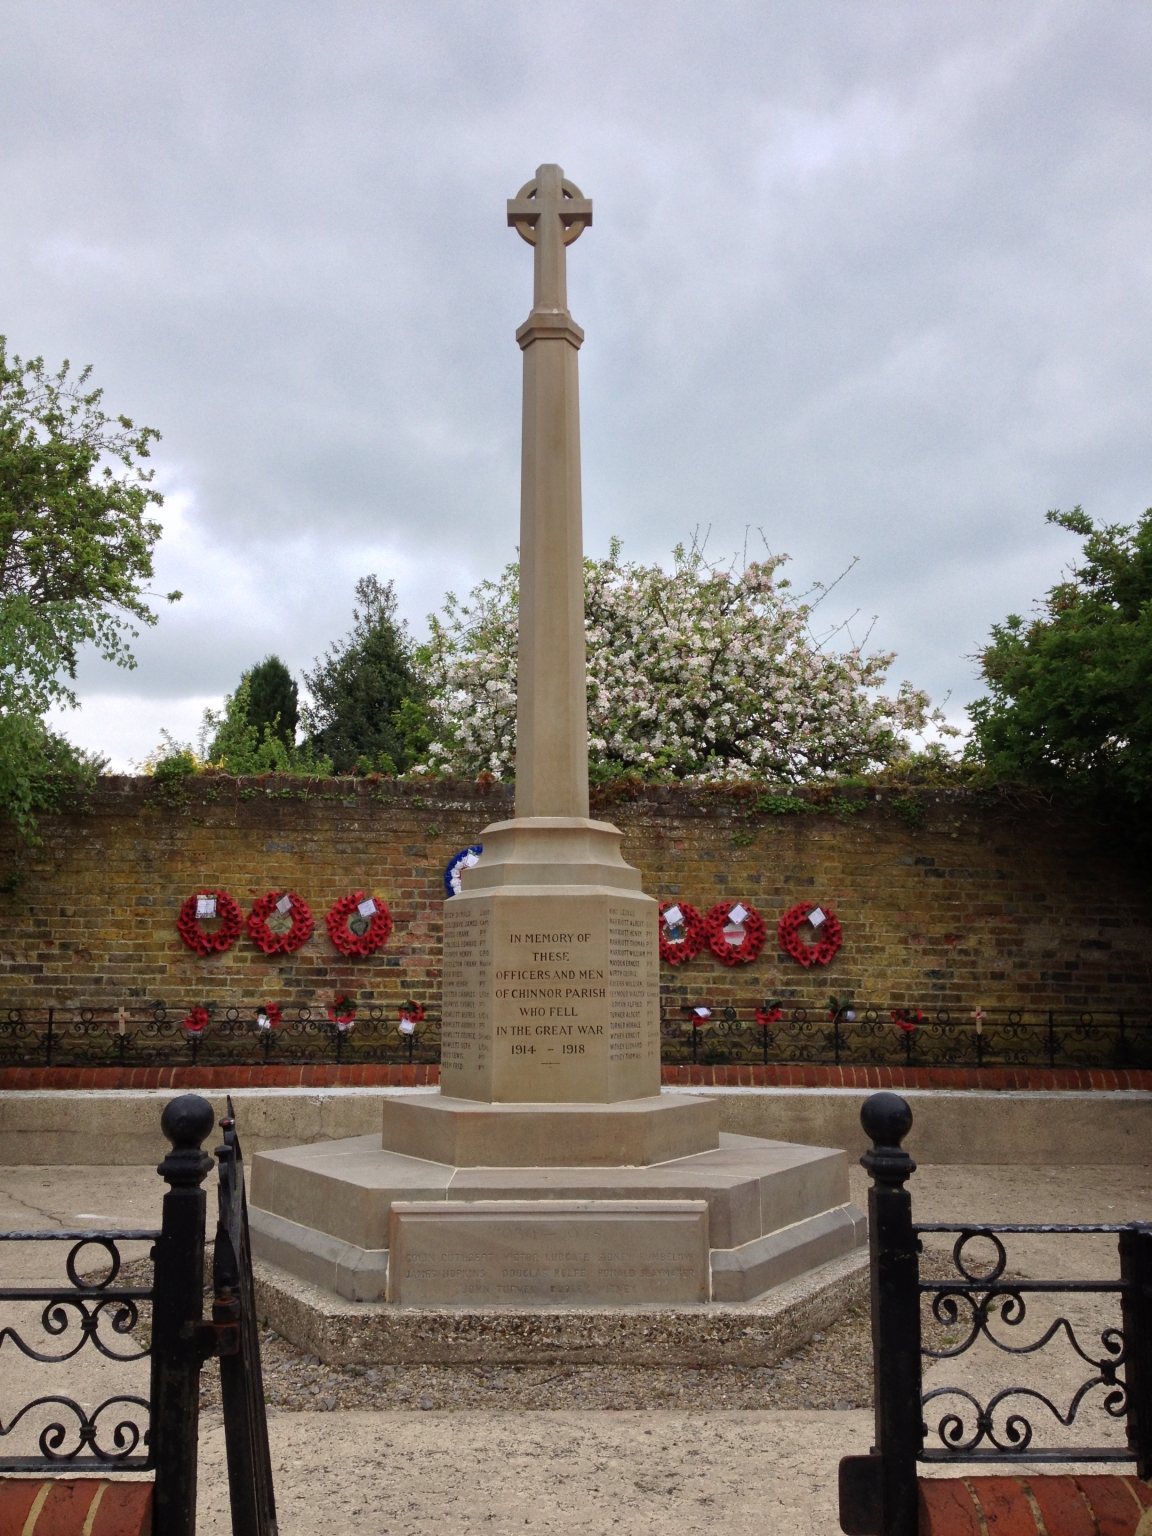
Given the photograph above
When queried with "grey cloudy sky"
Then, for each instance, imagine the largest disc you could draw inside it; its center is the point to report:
(873, 277)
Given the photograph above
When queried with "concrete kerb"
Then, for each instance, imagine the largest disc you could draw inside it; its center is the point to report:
(370, 1333)
(94, 1127)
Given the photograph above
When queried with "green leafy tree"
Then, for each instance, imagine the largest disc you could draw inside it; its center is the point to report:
(368, 709)
(1070, 692)
(39, 770)
(229, 739)
(76, 543)
(273, 700)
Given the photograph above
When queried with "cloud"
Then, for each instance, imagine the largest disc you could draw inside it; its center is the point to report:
(872, 278)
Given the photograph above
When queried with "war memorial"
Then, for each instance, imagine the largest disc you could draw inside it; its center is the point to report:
(549, 1169)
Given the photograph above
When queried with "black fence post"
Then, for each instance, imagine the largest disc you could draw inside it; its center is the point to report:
(176, 1314)
(1136, 1310)
(878, 1493)
(48, 1039)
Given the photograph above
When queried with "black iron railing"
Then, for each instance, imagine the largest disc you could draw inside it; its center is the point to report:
(728, 1033)
(889, 1034)
(157, 1036)
(91, 1311)
(918, 1317)
(161, 1322)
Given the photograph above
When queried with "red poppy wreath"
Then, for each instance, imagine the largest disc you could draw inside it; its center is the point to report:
(685, 917)
(280, 943)
(792, 944)
(374, 937)
(735, 932)
(189, 929)
(196, 1023)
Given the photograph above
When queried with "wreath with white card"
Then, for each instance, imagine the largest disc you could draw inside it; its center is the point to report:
(203, 907)
(821, 922)
(681, 932)
(284, 903)
(735, 932)
(373, 915)
(467, 858)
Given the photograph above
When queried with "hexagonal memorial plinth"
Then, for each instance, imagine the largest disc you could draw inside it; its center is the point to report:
(551, 970)
(628, 1133)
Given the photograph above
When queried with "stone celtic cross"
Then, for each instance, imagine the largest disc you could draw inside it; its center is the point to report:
(550, 213)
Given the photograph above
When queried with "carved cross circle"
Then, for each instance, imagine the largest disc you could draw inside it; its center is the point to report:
(573, 209)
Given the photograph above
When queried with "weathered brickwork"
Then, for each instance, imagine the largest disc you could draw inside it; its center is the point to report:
(1083, 1505)
(1000, 905)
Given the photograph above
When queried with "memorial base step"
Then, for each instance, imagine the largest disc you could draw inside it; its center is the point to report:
(737, 1222)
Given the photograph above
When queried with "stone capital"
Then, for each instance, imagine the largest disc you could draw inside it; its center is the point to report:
(549, 325)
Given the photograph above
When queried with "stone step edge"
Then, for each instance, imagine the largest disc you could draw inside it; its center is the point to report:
(715, 1333)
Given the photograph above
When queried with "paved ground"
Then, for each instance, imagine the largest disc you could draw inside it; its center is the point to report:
(503, 1451)
(367, 1474)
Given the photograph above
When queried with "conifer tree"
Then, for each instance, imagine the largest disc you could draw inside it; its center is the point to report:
(273, 700)
(367, 709)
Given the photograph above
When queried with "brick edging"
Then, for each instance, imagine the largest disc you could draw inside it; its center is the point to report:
(996, 1079)
(319, 1076)
(1000, 1079)
(1042, 1505)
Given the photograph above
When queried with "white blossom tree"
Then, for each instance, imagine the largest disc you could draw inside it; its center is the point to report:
(700, 673)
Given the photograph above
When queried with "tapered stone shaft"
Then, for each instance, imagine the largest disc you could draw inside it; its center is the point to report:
(551, 714)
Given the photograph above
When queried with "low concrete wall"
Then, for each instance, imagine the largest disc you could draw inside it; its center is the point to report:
(1051, 1129)
(93, 1126)
(90, 1127)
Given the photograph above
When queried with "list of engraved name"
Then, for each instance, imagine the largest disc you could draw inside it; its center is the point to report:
(633, 1021)
(467, 975)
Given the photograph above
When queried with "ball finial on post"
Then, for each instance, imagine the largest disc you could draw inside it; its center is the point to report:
(186, 1121)
(887, 1119)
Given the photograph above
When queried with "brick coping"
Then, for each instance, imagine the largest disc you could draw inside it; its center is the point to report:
(988, 1079)
(1038, 1505)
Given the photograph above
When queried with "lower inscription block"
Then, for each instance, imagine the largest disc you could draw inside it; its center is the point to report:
(548, 1253)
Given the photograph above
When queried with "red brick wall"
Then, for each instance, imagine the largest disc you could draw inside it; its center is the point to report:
(1002, 904)
(1084, 1505)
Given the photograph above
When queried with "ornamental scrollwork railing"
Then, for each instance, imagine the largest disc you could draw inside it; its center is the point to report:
(921, 1319)
(981, 1440)
(899, 1035)
(695, 1029)
(158, 1036)
(84, 1313)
